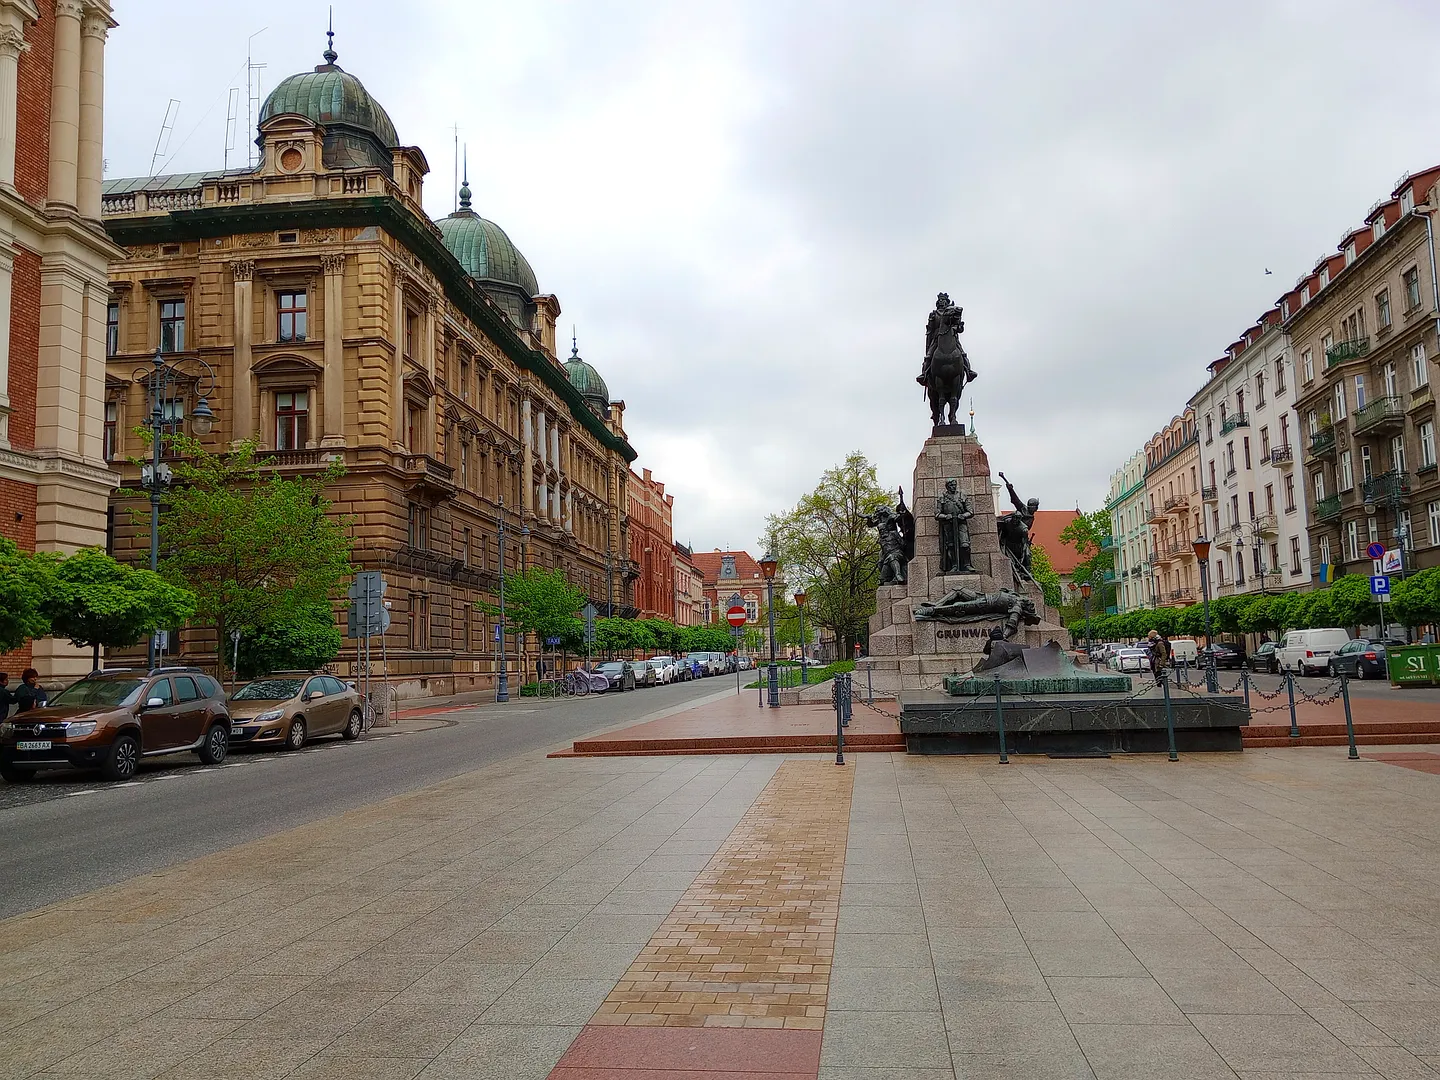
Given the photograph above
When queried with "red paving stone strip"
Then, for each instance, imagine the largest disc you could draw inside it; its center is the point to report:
(735, 725)
(735, 980)
(1420, 761)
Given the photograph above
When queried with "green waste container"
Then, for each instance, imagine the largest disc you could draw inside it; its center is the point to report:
(1414, 665)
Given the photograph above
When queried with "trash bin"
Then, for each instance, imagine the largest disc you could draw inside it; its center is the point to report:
(1414, 665)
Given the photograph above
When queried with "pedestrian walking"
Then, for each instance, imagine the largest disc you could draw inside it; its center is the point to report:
(30, 695)
(6, 697)
(1159, 653)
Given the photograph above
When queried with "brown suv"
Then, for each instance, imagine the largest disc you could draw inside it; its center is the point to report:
(109, 720)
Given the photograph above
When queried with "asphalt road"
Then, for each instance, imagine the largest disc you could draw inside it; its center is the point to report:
(64, 834)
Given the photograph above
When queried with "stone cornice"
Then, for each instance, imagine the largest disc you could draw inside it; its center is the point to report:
(460, 289)
(29, 468)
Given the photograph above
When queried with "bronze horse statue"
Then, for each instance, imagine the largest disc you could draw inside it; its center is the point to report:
(947, 368)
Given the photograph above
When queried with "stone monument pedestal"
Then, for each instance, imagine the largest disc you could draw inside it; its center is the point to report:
(910, 654)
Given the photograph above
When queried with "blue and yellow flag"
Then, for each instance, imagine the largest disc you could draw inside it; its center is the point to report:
(1327, 573)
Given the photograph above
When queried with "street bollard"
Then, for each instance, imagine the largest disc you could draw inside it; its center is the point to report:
(1349, 723)
(1169, 717)
(774, 687)
(869, 686)
(846, 691)
(1000, 723)
(1245, 685)
(1290, 689)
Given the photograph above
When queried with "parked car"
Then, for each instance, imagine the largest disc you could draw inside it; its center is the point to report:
(619, 673)
(291, 709)
(664, 667)
(1362, 658)
(1226, 656)
(110, 720)
(1184, 648)
(1263, 659)
(1308, 652)
(1131, 659)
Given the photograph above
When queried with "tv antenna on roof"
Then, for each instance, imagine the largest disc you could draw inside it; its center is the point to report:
(252, 94)
(232, 110)
(167, 128)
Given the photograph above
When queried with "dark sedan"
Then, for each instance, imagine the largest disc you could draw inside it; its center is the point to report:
(1225, 657)
(1263, 659)
(620, 673)
(1361, 658)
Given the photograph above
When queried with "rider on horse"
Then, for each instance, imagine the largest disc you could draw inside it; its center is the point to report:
(946, 371)
(945, 316)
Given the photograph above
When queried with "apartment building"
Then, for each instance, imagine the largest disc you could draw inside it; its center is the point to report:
(1130, 535)
(1172, 498)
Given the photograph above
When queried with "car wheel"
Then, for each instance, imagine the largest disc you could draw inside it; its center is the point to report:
(354, 725)
(11, 775)
(216, 745)
(1331, 670)
(295, 736)
(1360, 670)
(123, 759)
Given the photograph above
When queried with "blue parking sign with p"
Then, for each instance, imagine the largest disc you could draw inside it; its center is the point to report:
(1379, 585)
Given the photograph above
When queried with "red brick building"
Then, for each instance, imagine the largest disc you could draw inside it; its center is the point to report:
(54, 289)
(730, 574)
(652, 544)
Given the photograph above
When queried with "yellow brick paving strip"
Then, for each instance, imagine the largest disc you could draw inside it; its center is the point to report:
(751, 942)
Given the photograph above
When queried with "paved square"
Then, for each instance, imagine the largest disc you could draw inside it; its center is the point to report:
(1268, 915)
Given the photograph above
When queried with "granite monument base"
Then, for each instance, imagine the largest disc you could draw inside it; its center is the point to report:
(936, 723)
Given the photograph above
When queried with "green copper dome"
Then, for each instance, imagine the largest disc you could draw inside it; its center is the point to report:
(484, 250)
(587, 381)
(333, 97)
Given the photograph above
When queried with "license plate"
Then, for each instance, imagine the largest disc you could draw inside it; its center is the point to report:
(33, 744)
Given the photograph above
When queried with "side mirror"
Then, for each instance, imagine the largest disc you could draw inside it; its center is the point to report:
(155, 703)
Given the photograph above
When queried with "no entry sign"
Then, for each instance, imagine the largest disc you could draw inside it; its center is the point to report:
(736, 615)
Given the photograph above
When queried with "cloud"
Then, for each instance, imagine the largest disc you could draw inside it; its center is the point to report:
(748, 208)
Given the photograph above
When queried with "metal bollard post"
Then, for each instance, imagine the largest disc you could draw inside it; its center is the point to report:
(1290, 689)
(846, 694)
(869, 686)
(1169, 718)
(1245, 685)
(1000, 723)
(1349, 723)
(774, 687)
(839, 723)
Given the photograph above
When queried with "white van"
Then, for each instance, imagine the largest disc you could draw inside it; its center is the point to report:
(1183, 648)
(1308, 652)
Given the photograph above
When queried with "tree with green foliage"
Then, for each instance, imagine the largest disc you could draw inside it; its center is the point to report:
(1043, 571)
(706, 637)
(254, 548)
(666, 635)
(1415, 600)
(623, 636)
(1087, 533)
(95, 601)
(302, 640)
(1350, 602)
(825, 547)
(542, 602)
(25, 582)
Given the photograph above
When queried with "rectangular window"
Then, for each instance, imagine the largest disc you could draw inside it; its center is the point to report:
(1403, 532)
(1317, 481)
(1245, 443)
(1359, 393)
(172, 326)
(1427, 444)
(1289, 492)
(1382, 309)
(1264, 443)
(1433, 513)
(290, 307)
(1209, 429)
(419, 621)
(1270, 498)
(412, 334)
(1419, 367)
(1352, 541)
(1250, 503)
(1274, 556)
(1294, 555)
(292, 420)
(419, 534)
(1397, 453)
(464, 378)
(1280, 376)
(465, 547)
(1372, 534)
(1325, 549)
(112, 426)
(752, 610)
(1412, 288)
(1260, 389)
(1340, 402)
(1285, 432)
(1307, 365)
(1347, 471)
(1367, 468)
(414, 429)
(112, 329)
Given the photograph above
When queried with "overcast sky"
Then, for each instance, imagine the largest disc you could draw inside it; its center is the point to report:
(747, 208)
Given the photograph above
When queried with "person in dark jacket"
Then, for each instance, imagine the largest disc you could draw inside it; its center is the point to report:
(6, 697)
(30, 695)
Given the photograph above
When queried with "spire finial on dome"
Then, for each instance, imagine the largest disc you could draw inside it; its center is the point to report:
(465, 179)
(330, 54)
(574, 344)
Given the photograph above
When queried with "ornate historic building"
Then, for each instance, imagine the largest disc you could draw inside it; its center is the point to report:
(54, 484)
(689, 588)
(652, 546)
(1172, 491)
(342, 323)
(734, 576)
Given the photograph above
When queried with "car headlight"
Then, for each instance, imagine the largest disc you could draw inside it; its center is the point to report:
(77, 729)
(7, 728)
(273, 714)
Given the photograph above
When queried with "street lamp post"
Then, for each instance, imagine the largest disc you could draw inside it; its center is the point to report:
(160, 380)
(1085, 588)
(768, 565)
(804, 671)
(502, 685)
(1202, 556)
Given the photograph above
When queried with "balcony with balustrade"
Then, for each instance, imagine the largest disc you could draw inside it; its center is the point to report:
(1233, 421)
(1156, 515)
(1181, 596)
(1343, 352)
(1282, 456)
(1388, 489)
(1322, 443)
(1209, 494)
(1177, 504)
(1266, 524)
(1328, 508)
(1380, 414)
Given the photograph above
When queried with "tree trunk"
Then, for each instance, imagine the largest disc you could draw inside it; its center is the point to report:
(95, 664)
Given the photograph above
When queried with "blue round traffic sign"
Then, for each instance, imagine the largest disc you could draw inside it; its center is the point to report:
(1376, 550)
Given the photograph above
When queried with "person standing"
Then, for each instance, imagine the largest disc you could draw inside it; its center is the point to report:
(1159, 653)
(30, 695)
(6, 697)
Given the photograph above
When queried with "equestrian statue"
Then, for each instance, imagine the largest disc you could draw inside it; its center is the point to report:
(946, 369)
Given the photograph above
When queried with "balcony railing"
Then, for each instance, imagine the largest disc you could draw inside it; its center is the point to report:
(1328, 508)
(1322, 442)
(1209, 494)
(1177, 504)
(1233, 421)
(1265, 524)
(1281, 455)
(1381, 412)
(1182, 595)
(1156, 516)
(1342, 351)
(1389, 487)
